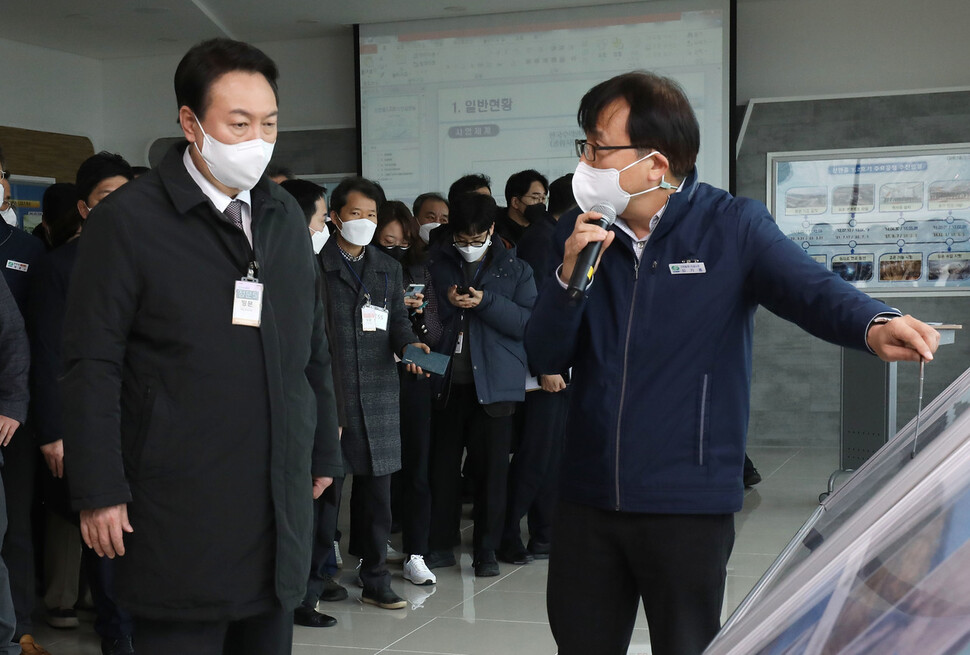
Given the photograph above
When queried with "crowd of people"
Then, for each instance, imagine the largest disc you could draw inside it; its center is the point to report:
(211, 349)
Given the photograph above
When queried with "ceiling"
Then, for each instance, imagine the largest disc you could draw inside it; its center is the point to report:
(109, 29)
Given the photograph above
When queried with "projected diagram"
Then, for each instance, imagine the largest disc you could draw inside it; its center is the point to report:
(880, 222)
(437, 105)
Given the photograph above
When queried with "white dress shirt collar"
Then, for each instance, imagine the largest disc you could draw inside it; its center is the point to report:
(220, 200)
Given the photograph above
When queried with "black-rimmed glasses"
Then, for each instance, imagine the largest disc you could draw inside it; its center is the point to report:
(587, 150)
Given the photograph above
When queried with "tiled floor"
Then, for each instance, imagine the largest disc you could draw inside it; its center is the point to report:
(506, 615)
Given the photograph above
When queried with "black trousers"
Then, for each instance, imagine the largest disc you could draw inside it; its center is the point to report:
(464, 424)
(415, 488)
(112, 621)
(266, 634)
(534, 471)
(370, 527)
(19, 474)
(676, 564)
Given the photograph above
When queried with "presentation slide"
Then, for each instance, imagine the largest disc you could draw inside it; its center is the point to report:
(499, 94)
(883, 222)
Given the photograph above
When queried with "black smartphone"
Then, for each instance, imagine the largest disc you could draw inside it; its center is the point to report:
(462, 290)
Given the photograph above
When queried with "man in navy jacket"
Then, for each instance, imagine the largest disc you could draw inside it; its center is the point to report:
(660, 347)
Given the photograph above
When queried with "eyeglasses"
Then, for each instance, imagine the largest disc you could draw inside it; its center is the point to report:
(536, 198)
(587, 150)
(4, 175)
(462, 243)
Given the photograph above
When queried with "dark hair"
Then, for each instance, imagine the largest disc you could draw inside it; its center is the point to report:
(468, 184)
(3, 160)
(97, 168)
(59, 212)
(275, 170)
(138, 171)
(561, 198)
(208, 61)
(306, 193)
(518, 184)
(472, 213)
(423, 198)
(660, 116)
(395, 210)
(359, 184)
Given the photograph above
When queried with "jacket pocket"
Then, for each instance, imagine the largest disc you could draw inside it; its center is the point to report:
(702, 434)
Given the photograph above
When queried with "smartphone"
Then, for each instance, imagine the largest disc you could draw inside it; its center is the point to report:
(433, 362)
(413, 290)
(462, 290)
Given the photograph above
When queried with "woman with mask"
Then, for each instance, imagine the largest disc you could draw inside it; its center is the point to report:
(397, 235)
(480, 298)
(367, 325)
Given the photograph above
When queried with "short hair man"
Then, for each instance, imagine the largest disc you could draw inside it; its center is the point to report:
(471, 183)
(561, 198)
(199, 411)
(525, 200)
(431, 212)
(661, 353)
(313, 201)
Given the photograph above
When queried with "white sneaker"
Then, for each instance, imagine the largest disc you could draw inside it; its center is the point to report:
(393, 557)
(417, 572)
(336, 554)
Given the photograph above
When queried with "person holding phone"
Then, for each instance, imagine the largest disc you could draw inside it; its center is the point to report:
(398, 236)
(480, 298)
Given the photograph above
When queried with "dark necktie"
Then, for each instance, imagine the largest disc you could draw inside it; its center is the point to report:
(234, 213)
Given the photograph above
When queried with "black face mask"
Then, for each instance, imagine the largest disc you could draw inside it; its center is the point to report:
(397, 252)
(534, 213)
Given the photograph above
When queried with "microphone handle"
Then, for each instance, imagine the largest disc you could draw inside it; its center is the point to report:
(585, 263)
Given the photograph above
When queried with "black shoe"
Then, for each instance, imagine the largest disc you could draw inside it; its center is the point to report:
(437, 559)
(333, 591)
(309, 617)
(514, 553)
(384, 598)
(540, 549)
(485, 564)
(751, 477)
(120, 646)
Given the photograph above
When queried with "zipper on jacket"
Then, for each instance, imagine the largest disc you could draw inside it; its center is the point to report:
(700, 431)
(626, 352)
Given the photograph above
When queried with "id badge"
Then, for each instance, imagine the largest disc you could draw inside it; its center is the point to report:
(247, 303)
(380, 318)
(368, 318)
(458, 344)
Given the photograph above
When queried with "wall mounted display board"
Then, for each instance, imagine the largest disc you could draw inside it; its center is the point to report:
(27, 195)
(883, 566)
(885, 219)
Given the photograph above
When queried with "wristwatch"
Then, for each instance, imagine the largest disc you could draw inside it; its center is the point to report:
(882, 320)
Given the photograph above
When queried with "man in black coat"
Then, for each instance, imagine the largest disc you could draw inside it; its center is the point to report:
(198, 397)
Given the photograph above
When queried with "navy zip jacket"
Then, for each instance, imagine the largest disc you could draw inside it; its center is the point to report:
(662, 361)
(496, 326)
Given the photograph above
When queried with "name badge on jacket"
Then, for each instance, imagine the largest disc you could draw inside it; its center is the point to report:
(247, 303)
(687, 268)
(17, 266)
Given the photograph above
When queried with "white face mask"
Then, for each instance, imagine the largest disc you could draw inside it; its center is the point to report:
(593, 186)
(237, 165)
(319, 239)
(359, 232)
(425, 231)
(9, 216)
(474, 253)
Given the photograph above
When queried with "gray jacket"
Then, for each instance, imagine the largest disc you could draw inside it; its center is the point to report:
(365, 375)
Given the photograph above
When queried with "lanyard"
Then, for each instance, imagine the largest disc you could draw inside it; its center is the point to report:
(363, 286)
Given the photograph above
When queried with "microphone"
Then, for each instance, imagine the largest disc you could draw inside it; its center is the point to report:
(583, 272)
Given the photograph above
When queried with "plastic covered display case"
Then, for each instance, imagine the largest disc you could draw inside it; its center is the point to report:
(883, 565)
